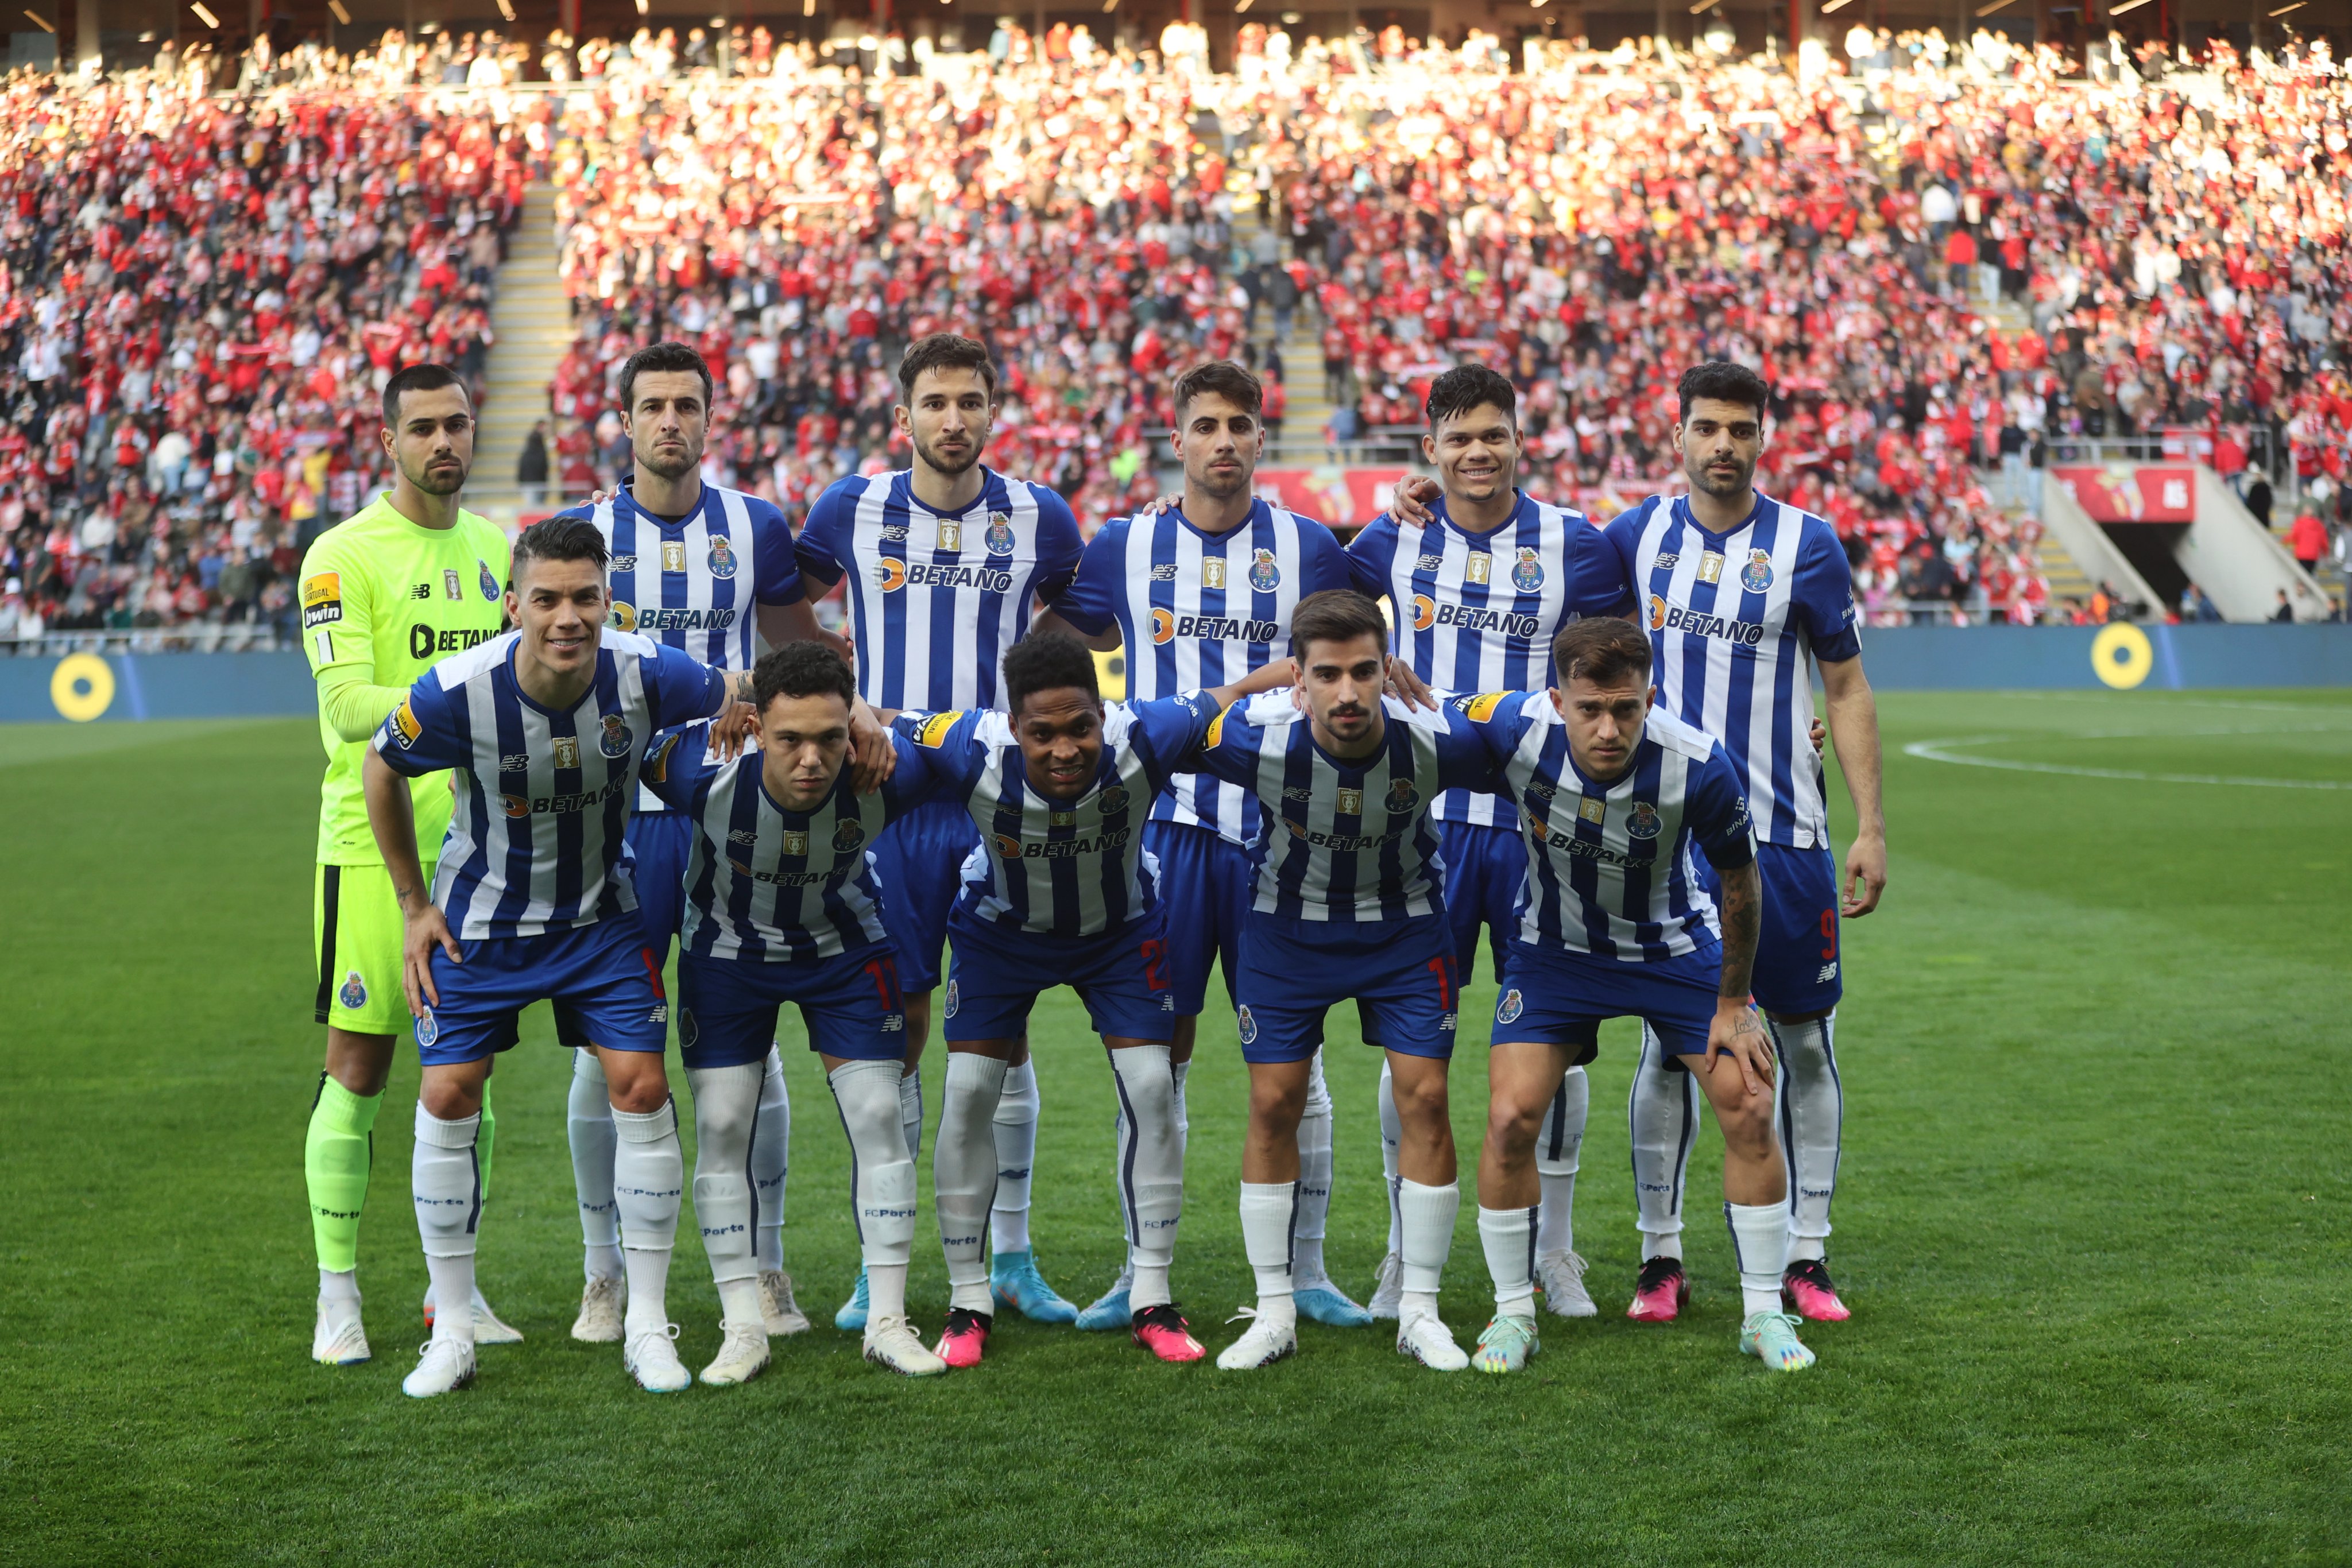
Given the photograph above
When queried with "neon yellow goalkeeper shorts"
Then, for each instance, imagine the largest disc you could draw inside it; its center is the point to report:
(355, 935)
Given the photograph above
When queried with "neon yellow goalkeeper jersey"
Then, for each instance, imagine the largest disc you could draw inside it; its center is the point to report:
(382, 601)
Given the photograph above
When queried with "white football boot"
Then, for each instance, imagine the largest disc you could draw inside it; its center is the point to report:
(601, 1301)
(1264, 1343)
(489, 1327)
(892, 1345)
(1561, 1275)
(446, 1365)
(651, 1357)
(340, 1339)
(742, 1355)
(1424, 1337)
(1388, 1289)
(783, 1315)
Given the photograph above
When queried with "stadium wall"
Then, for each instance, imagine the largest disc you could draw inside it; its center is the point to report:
(87, 687)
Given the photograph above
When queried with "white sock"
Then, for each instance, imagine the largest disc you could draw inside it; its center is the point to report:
(588, 1118)
(1508, 1236)
(648, 1182)
(1183, 1117)
(1268, 1210)
(910, 1112)
(1759, 1239)
(1392, 1140)
(339, 1286)
(1662, 1108)
(1428, 1213)
(1016, 1128)
(726, 1105)
(963, 1174)
(1558, 1143)
(446, 1184)
(1812, 1119)
(1314, 1179)
(1152, 1168)
(772, 1154)
(881, 1180)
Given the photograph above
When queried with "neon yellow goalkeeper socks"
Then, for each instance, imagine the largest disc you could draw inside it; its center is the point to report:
(335, 1159)
(482, 1142)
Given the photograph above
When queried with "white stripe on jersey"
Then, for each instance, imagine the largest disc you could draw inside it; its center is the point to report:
(934, 602)
(1599, 886)
(1069, 868)
(1732, 660)
(1478, 613)
(782, 889)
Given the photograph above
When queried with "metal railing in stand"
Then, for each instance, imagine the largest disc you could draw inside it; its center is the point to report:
(192, 637)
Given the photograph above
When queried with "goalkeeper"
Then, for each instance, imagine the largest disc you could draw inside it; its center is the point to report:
(385, 594)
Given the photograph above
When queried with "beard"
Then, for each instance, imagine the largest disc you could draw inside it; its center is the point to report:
(670, 468)
(946, 467)
(1220, 488)
(436, 481)
(1704, 479)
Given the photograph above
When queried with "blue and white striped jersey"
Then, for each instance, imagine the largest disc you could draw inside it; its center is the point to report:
(935, 597)
(766, 885)
(692, 583)
(1477, 612)
(1199, 609)
(1610, 866)
(1341, 840)
(1075, 868)
(535, 841)
(1734, 618)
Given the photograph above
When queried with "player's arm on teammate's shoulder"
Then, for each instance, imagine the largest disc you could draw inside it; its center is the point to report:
(675, 766)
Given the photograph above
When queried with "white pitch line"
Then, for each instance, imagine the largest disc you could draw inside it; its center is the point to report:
(1937, 751)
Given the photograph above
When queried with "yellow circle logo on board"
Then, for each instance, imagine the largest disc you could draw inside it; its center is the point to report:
(2121, 655)
(82, 686)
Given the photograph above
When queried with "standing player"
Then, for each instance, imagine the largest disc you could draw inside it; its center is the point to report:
(700, 568)
(1743, 592)
(1063, 892)
(1348, 902)
(1479, 589)
(781, 907)
(1617, 805)
(401, 583)
(1201, 593)
(945, 559)
(532, 898)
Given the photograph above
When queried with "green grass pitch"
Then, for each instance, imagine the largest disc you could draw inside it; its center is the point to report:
(2096, 1225)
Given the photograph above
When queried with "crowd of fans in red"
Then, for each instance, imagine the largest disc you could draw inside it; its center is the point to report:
(1950, 264)
(199, 300)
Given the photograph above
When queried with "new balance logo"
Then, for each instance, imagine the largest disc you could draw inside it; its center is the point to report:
(422, 591)
(1829, 973)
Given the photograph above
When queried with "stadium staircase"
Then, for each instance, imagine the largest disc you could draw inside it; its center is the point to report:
(532, 319)
(1307, 410)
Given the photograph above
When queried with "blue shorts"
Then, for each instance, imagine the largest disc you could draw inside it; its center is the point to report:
(1485, 869)
(998, 972)
(918, 860)
(1554, 997)
(1205, 894)
(662, 843)
(849, 1004)
(1797, 963)
(1400, 974)
(604, 975)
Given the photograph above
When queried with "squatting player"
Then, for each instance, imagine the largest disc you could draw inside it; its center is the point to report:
(1062, 893)
(531, 898)
(1481, 577)
(945, 560)
(1347, 902)
(1741, 592)
(1198, 593)
(699, 567)
(1617, 805)
(401, 583)
(781, 907)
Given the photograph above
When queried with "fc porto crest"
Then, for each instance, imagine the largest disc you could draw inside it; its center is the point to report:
(1112, 798)
(1511, 1006)
(427, 1028)
(489, 580)
(1402, 795)
(1246, 1026)
(1000, 533)
(1644, 822)
(1265, 573)
(1757, 575)
(721, 559)
(353, 995)
(688, 1031)
(952, 1002)
(615, 741)
(1528, 574)
(847, 834)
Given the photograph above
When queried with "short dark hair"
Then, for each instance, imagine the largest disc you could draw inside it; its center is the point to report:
(416, 377)
(945, 351)
(559, 538)
(1334, 615)
(663, 357)
(1050, 661)
(1229, 381)
(801, 670)
(1602, 649)
(1465, 387)
(1725, 383)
